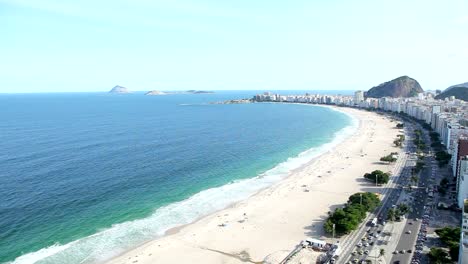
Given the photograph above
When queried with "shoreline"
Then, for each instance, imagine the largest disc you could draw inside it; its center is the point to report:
(354, 126)
(245, 188)
(150, 252)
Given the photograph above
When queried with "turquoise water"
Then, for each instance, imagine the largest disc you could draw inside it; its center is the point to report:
(86, 176)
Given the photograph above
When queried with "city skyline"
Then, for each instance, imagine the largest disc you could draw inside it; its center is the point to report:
(54, 46)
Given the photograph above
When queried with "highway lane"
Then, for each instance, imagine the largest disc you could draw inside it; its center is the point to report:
(421, 206)
(390, 194)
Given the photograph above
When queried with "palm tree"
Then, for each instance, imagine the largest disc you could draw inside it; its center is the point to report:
(382, 252)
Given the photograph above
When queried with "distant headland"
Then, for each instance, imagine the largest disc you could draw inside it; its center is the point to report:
(123, 90)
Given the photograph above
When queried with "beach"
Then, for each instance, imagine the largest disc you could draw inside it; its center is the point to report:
(269, 224)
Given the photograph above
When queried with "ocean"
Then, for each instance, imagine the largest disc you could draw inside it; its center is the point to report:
(87, 176)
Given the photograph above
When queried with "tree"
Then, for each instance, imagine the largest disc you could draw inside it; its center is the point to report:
(388, 158)
(391, 214)
(414, 179)
(369, 200)
(378, 177)
(439, 256)
(349, 217)
(450, 236)
(381, 252)
(403, 208)
(443, 186)
(442, 157)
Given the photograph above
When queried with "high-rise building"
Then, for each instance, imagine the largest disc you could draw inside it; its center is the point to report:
(463, 253)
(462, 181)
(358, 97)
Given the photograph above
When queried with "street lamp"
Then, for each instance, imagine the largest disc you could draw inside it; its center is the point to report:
(333, 232)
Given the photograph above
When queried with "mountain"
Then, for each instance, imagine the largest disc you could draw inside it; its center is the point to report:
(155, 92)
(403, 86)
(460, 91)
(119, 89)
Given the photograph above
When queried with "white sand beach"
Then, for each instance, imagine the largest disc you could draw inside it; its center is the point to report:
(272, 222)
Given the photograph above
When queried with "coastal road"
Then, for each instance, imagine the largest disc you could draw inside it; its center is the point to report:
(414, 222)
(390, 194)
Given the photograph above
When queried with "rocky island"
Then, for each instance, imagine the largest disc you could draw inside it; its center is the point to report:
(198, 92)
(119, 90)
(155, 92)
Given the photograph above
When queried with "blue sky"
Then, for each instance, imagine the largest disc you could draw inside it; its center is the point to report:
(65, 46)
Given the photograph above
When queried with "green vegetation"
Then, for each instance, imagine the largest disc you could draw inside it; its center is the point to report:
(443, 186)
(370, 201)
(381, 252)
(389, 158)
(450, 236)
(418, 142)
(460, 92)
(391, 214)
(397, 212)
(418, 167)
(378, 177)
(403, 208)
(399, 141)
(414, 179)
(439, 256)
(443, 157)
(349, 217)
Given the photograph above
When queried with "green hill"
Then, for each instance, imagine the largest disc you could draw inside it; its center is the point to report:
(460, 91)
(403, 86)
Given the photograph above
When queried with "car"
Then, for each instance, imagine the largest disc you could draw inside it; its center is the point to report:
(366, 252)
(395, 252)
(355, 260)
(410, 223)
(409, 251)
(359, 244)
(396, 262)
(354, 253)
(408, 232)
(402, 252)
(360, 252)
(366, 244)
(364, 239)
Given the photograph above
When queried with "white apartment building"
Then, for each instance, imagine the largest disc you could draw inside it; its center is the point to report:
(463, 253)
(358, 97)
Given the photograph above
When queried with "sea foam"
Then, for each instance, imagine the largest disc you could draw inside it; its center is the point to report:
(121, 237)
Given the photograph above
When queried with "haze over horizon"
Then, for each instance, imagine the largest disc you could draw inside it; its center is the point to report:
(64, 46)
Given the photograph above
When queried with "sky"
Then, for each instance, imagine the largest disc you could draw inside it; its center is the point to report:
(82, 46)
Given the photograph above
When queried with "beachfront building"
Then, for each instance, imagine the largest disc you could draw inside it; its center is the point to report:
(463, 253)
(358, 97)
(462, 181)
